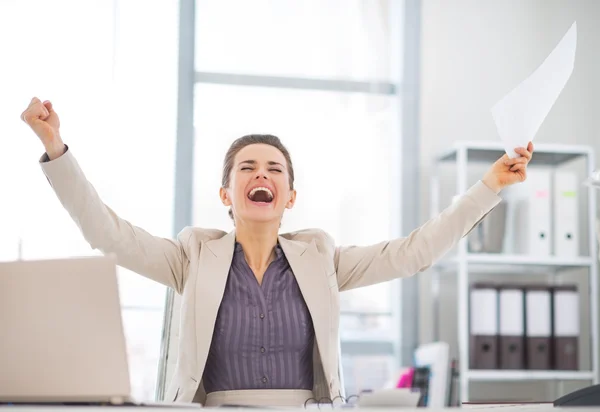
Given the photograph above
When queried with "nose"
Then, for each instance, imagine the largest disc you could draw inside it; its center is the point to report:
(261, 175)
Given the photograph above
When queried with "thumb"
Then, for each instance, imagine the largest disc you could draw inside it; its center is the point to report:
(48, 105)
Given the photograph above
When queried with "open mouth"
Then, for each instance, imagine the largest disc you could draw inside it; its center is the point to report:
(261, 195)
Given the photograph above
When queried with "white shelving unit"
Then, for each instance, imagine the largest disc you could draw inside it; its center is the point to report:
(464, 154)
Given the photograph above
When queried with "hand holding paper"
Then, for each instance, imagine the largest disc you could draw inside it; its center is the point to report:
(506, 171)
(520, 113)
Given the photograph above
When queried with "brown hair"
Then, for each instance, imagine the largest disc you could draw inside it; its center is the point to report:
(247, 140)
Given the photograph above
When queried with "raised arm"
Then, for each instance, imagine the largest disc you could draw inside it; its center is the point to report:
(358, 266)
(160, 259)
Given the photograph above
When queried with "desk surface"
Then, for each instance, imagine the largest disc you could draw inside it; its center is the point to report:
(499, 407)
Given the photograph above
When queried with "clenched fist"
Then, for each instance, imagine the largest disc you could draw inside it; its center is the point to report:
(43, 120)
(505, 172)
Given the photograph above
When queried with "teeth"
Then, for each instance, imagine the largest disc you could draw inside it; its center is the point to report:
(265, 189)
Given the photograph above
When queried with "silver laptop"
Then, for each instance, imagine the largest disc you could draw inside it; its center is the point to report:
(61, 332)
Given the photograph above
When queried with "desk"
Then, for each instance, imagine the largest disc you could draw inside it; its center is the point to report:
(530, 406)
(498, 407)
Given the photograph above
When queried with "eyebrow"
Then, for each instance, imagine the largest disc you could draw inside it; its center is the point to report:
(254, 162)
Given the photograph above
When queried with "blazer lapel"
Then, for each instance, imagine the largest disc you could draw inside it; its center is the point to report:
(213, 268)
(305, 261)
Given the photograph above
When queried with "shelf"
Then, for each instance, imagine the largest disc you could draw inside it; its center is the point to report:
(500, 262)
(527, 375)
(489, 152)
(464, 158)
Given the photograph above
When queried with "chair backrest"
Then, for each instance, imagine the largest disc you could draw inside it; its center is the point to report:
(341, 371)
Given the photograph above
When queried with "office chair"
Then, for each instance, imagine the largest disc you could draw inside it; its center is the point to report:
(589, 396)
(341, 371)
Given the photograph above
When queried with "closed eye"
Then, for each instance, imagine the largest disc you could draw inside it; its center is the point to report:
(247, 168)
(275, 170)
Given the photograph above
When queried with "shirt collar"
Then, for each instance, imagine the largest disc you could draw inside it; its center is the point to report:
(278, 250)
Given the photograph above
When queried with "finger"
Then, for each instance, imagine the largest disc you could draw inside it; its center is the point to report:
(516, 160)
(34, 101)
(45, 112)
(530, 147)
(517, 167)
(48, 106)
(523, 152)
(28, 115)
(35, 112)
(39, 111)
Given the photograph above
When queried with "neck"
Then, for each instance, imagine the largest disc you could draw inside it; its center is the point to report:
(258, 242)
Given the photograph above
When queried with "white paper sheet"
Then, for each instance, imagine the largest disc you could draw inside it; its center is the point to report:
(520, 113)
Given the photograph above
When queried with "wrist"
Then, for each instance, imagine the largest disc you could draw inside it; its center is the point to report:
(492, 184)
(55, 148)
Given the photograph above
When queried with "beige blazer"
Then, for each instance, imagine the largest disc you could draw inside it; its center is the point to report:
(196, 266)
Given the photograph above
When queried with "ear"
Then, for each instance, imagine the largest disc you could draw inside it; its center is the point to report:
(224, 196)
(292, 201)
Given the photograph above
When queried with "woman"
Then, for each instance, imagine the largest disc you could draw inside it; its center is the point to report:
(260, 310)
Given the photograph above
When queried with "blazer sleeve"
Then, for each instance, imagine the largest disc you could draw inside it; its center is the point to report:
(358, 266)
(160, 259)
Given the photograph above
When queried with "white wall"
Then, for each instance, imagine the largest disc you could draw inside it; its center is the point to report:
(475, 51)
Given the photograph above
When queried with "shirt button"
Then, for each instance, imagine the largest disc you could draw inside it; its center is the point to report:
(262, 315)
(262, 350)
(264, 379)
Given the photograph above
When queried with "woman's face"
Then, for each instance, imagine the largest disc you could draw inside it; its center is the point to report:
(259, 187)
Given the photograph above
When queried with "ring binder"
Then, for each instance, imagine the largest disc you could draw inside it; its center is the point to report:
(538, 327)
(565, 311)
(484, 326)
(512, 327)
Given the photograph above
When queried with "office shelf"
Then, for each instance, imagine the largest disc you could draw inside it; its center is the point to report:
(527, 375)
(489, 152)
(507, 263)
(463, 155)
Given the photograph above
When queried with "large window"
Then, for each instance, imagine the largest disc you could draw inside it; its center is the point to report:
(110, 68)
(323, 76)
